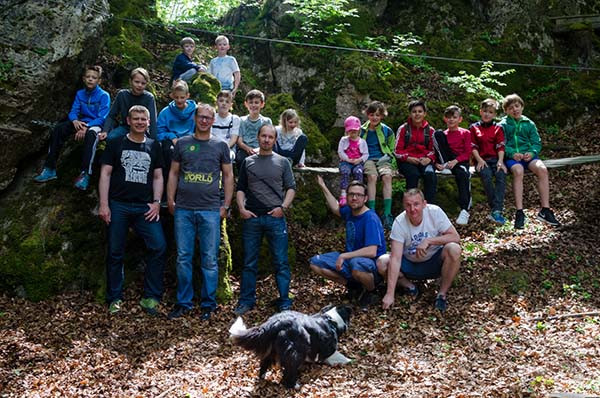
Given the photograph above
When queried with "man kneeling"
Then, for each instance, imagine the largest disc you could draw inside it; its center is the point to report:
(425, 245)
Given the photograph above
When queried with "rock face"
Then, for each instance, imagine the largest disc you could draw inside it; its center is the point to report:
(43, 46)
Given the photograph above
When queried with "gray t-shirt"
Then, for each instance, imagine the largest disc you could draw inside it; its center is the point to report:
(200, 172)
(249, 129)
(265, 179)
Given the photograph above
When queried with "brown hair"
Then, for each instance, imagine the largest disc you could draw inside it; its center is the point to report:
(511, 99)
(255, 94)
(377, 106)
(452, 110)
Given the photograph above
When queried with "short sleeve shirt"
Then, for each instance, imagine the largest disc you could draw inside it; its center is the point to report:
(249, 129)
(225, 128)
(223, 69)
(435, 222)
(363, 230)
(200, 172)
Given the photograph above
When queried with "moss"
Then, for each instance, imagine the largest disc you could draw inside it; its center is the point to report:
(225, 290)
(507, 280)
(204, 88)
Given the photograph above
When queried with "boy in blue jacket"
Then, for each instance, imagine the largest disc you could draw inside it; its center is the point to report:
(183, 67)
(86, 118)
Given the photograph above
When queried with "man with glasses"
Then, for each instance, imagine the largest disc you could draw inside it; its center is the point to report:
(355, 268)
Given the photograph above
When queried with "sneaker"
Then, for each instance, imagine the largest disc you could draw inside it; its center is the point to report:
(353, 290)
(241, 309)
(413, 292)
(519, 219)
(441, 303)
(547, 216)
(496, 216)
(284, 307)
(115, 307)
(463, 218)
(46, 175)
(342, 201)
(149, 305)
(445, 170)
(367, 298)
(388, 221)
(206, 313)
(178, 311)
(83, 181)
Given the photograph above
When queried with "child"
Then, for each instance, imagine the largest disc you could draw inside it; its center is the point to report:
(183, 67)
(522, 149)
(353, 152)
(414, 150)
(291, 141)
(226, 125)
(487, 139)
(86, 118)
(380, 141)
(127, 98)
(225, 67)
(453, 150)
(249, 126)
(176, 120)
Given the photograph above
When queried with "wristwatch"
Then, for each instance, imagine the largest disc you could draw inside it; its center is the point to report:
(156, 201)
(225, 207)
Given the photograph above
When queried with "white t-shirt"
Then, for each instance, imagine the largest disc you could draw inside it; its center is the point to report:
(224, 128)
(435, 222)
(223, 68)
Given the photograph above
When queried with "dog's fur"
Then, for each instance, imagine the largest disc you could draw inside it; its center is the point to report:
(290, 338)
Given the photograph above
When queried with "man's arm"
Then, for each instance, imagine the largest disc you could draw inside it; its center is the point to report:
(449, 235)
(103, 188)
(157, 190)
(240, 199)
(172, 185)
(393, 270)
(331, 201)
(227, 170)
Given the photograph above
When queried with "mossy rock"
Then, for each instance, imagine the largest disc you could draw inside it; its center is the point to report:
(204, 88)
(317, 149)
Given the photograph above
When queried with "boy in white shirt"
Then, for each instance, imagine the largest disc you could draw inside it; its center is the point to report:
(225, 67)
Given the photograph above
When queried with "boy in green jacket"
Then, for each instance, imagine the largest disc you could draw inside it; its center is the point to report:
(522, 148)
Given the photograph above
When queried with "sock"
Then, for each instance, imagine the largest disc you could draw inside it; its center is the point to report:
(387, 206)
(371, 204)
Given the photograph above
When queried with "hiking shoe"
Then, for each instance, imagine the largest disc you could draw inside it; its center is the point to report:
(115, 307)
(206, 313)
(149, 305)
(178, 311)
(46, 175)
(547, 216)
(496, 216)
(241, 309)
(412, 292)
(441, 303)
(83, 181)
(388, 221)
(284, 307)
(367, 298)
(342, 200)
(519, 219)
(463, 218)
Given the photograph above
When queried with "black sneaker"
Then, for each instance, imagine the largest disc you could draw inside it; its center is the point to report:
(441, 303)
(519, 219)
(367, 298)
(241, 309)
(353, 290)
(206, 313)
(547, 216)
(412, 293)
(178, 312)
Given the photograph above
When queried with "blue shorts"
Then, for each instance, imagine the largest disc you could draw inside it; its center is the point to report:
(428, 269)
(511, 162)
(361, 264)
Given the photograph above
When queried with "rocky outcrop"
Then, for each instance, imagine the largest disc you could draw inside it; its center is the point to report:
(43, 45)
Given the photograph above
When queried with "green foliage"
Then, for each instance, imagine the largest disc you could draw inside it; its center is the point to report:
(324, 21)
(481, 84)
(5, 70)
(198, 11)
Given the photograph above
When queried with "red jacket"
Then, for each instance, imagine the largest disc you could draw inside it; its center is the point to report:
(487, 138)
(459, 142)
(416, 146)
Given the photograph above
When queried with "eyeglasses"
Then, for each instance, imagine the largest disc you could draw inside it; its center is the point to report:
(205, 118)
(356, 195)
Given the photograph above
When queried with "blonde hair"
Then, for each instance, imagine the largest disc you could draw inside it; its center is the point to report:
(138, 109)
(285, 117)
(221, 38)
(187, 40)
(140, 71)
(181, 86)
(488, 103)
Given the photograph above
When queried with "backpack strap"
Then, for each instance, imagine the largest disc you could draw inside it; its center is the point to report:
(408, 133)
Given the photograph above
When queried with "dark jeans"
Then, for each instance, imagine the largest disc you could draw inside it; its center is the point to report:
(494, 193)
(412, 173)
(275, 230)
(295, 154)
(58, 137)
(122, 216)
(461, 172)
(357, 171)
(167, 148)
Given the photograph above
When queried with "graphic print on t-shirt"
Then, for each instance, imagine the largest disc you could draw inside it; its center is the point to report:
(416, 241)
(136, 165)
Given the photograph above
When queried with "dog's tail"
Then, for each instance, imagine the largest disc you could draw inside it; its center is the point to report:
(238, 328)
(255, 339)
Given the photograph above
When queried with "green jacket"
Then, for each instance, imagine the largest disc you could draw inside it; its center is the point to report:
(385, 137)
(521, 136)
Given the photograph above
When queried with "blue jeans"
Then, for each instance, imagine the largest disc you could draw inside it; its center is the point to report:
(206, 226)
(275, 229)
(495, 194)
(122, 216)
(361, 264)
(117, 132)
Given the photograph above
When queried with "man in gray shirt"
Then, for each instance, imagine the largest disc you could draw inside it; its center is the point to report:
(265, 190)
(198, 161)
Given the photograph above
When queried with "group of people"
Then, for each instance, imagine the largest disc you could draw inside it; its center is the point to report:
(183, 160)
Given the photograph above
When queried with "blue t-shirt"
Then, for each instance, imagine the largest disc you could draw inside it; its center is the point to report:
(373, 144)
(363, 230)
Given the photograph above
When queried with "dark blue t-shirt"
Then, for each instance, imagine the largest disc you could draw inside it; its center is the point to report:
(363, 230)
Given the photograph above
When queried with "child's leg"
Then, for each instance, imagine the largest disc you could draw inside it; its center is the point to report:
(188, 74)
(517, 172)
(539, 169)
(429, 183)
(443, 152)
(345, 169)
(462, 177)
(118, 132)
(371, 172)
(89, 148)
(488, 186)
(499, 189)
(357, 172)
(58, 136)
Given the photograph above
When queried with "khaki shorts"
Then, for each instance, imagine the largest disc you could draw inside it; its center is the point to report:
(371, 168)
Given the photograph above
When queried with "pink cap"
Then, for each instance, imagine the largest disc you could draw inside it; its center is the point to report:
(352, 123)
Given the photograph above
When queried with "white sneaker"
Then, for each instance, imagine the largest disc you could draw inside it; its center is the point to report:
(463, 218)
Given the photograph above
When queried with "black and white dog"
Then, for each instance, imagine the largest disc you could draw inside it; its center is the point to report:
(290, 338)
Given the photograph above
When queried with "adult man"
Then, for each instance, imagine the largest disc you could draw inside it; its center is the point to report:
(365, 242)
(198, 161)
(130, 188)
(265, 190)
(425, 245)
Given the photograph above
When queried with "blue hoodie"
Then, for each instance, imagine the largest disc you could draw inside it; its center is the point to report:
(173, 122)
(90, 107)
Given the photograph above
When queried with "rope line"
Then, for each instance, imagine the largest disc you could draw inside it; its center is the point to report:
(362, 50)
